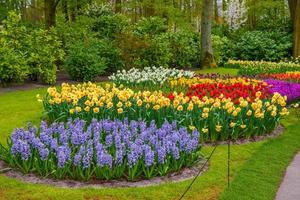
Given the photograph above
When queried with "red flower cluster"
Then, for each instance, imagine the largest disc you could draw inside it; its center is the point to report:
(233, 91)
(292, 76)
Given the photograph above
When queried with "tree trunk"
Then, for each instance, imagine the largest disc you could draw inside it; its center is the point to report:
(207, 57)
(50, 13)
(296, 51)
(294, 6)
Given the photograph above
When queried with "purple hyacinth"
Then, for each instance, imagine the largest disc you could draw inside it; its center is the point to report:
(105, 143)
(148, 156)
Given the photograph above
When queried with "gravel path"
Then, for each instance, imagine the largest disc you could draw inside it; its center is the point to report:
(290, 186)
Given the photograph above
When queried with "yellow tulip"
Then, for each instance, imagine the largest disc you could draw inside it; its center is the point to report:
(180, 108)
(120, 110)
(78, 109)
(96, 110)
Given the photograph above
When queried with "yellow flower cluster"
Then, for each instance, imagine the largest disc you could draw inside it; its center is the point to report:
(197, 80)
(90, 97)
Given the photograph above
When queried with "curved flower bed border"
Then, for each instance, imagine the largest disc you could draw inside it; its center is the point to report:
(182, 175)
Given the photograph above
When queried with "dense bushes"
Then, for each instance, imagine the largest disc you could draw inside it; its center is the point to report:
(13, 66)
(259, 45)
(28, 53)
(84, 62)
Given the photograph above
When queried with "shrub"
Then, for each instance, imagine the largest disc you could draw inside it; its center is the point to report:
(222, 49)
(259, 45)
(150, 26)
(39, 49)
(184, 47)
(111, 55)
(13, 65)
(44, 50)
(140, 52)
(83, 61)
(69, 33)
(104, 150)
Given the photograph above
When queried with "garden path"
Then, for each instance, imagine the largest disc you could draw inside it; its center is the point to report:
(290, 187)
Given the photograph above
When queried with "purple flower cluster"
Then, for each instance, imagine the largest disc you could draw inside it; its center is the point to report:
(104, 143)
(290, 89)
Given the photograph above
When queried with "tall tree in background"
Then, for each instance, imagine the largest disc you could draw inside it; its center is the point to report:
(50, 12)
(295, 15)
(207, 57)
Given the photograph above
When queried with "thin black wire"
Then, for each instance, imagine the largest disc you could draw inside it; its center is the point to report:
(228, 163)
(200, 170)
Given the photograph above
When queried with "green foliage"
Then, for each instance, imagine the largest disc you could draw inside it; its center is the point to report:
(106, 23)
(44, 50)
(185, 49)
(13, 66)
(143, 52)
(83, 61)
(72, 32)
(13, 63)
(29, 52)
(111, 55)
(221, 48)
(110, 25)
(150, 26)
(259, 45)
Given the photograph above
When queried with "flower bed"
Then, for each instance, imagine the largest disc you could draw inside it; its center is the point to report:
(216, 117)
(148, 76)
(289, 89)
(103, 150)
(235, 91)
(288, 76)
(182, 84)
(261, 67)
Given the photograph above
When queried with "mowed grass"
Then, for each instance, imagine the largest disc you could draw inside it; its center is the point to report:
(261, 175)
(256, 168)
(220, 70)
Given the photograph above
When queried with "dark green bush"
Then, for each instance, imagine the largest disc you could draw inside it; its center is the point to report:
(222, 49)
(142, 52)
(111, 55)
(184, 47)
(262, 45)
(150, 26)
(83, 61)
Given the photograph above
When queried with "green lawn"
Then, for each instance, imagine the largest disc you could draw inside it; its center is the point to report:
(220, 70)
(256, 168)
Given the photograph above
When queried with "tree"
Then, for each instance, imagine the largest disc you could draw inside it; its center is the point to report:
(295, 16)
(207, 57)
(50, 12)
